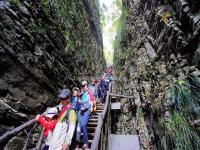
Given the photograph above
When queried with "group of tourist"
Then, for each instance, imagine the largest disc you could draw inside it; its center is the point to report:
(69, 119)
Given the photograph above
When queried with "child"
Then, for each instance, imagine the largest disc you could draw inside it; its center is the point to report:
(75, 100)
(48, 121)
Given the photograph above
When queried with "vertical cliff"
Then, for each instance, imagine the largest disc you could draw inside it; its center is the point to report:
(157, 61)
(45, 44)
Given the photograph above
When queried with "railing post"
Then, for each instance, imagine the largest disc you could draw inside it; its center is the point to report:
(39, 143)
(29, 136)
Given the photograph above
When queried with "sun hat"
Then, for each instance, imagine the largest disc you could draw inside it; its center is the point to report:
(52, 112)
(75, 89)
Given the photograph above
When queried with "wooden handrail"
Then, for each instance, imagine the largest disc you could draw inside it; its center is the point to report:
(117, 95)
(106, 105)
(10, 134)
(101, 118)
(97, 134)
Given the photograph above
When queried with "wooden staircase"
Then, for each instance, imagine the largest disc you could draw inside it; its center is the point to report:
(92, 124)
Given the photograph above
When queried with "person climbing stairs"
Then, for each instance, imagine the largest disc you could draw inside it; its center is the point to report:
(99, 129)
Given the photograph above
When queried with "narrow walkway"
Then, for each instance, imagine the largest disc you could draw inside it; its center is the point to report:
(99, 129)
(92, 124)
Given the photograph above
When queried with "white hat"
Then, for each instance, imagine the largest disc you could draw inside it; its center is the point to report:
(52, 112)
(84, 83)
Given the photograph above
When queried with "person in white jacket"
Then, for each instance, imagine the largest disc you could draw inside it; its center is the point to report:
(65, 127)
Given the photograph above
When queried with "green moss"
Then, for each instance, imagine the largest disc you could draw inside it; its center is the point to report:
(183, 136)
(15, 2)
(184, 95)
(46, 7)
(36, 28)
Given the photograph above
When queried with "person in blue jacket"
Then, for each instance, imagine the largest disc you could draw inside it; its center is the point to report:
(104, 88)
(85, 113)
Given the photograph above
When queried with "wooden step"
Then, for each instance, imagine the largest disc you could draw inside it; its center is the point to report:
(92, 124)
(96, 113)
(93, 120)
(94, 116)
(91, 128)
(90, 141)
(91, 134)
(100, 104)
(100, 107)
(98, 110)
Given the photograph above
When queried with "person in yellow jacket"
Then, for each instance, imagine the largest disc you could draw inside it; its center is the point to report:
(65, 127)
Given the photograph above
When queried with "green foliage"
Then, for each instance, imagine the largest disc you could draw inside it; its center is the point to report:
(121, 24)
(185, 95)
(102, 22)
(37, 27)
(185, 98)
(182, 135)
(47, 7)
(120, 42)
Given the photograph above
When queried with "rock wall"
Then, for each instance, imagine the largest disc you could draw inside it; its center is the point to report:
(157, 46)
(45, 44)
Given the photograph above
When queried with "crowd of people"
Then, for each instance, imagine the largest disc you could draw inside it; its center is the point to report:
(66, 122)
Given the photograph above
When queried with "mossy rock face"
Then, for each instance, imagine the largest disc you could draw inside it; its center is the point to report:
(44, 45)
(153, 50)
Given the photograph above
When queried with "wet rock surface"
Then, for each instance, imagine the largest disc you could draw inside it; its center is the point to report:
(159, 45)
(41, 50)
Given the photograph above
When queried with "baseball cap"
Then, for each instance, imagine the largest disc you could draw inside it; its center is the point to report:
(65, 93)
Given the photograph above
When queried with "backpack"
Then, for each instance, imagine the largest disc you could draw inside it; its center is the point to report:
(92, 101)
(91, 94)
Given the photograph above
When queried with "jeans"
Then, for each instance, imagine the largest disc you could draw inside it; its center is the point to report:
(103, 94)
(84, 118)
(46, 147)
